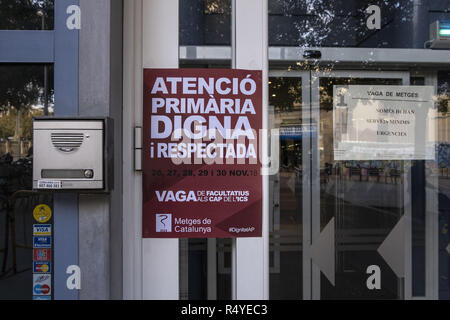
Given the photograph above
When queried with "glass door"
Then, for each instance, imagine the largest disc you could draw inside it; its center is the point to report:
(360, 210)
(353, 229)
(289, 113)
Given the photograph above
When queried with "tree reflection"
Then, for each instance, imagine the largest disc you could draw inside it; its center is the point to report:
(23, 14)
(285, 93)
(218, 7)
(316, 23)
(22, 96)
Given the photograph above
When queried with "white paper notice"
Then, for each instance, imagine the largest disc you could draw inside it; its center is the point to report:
(384, 123)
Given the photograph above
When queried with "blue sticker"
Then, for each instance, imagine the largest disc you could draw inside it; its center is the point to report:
(42, 242)
(42, 297)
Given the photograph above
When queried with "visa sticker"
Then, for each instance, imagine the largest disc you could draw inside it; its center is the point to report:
(42, 230)
(42, 242)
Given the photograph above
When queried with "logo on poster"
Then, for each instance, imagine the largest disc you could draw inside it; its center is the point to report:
(163, 223)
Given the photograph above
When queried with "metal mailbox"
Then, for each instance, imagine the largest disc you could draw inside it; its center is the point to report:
(72, 154)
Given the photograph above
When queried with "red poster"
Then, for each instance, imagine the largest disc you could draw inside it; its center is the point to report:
(201, 153)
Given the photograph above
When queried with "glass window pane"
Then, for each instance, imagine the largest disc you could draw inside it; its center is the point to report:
(27, 14)
(205, 22)
(205, 269)
(286, 214)
(352, 23)
(26, 91)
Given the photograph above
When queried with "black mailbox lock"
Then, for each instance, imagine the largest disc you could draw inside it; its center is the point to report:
(312, 54)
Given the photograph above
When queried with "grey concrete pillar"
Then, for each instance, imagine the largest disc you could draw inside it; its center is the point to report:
(100, 94)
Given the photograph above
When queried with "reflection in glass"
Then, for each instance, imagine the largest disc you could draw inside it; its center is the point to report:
(25, 91)
(205, 22)
(26, 14)
(442, 170)
(343, 23)
(286, 190)
(205, 269)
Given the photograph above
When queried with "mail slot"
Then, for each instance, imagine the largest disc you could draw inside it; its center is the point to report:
(72, 154)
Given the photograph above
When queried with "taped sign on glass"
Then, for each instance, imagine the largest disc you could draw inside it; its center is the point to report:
(201, 170)
(384, 123)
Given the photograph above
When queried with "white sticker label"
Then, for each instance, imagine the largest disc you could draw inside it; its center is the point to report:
(47, 184)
